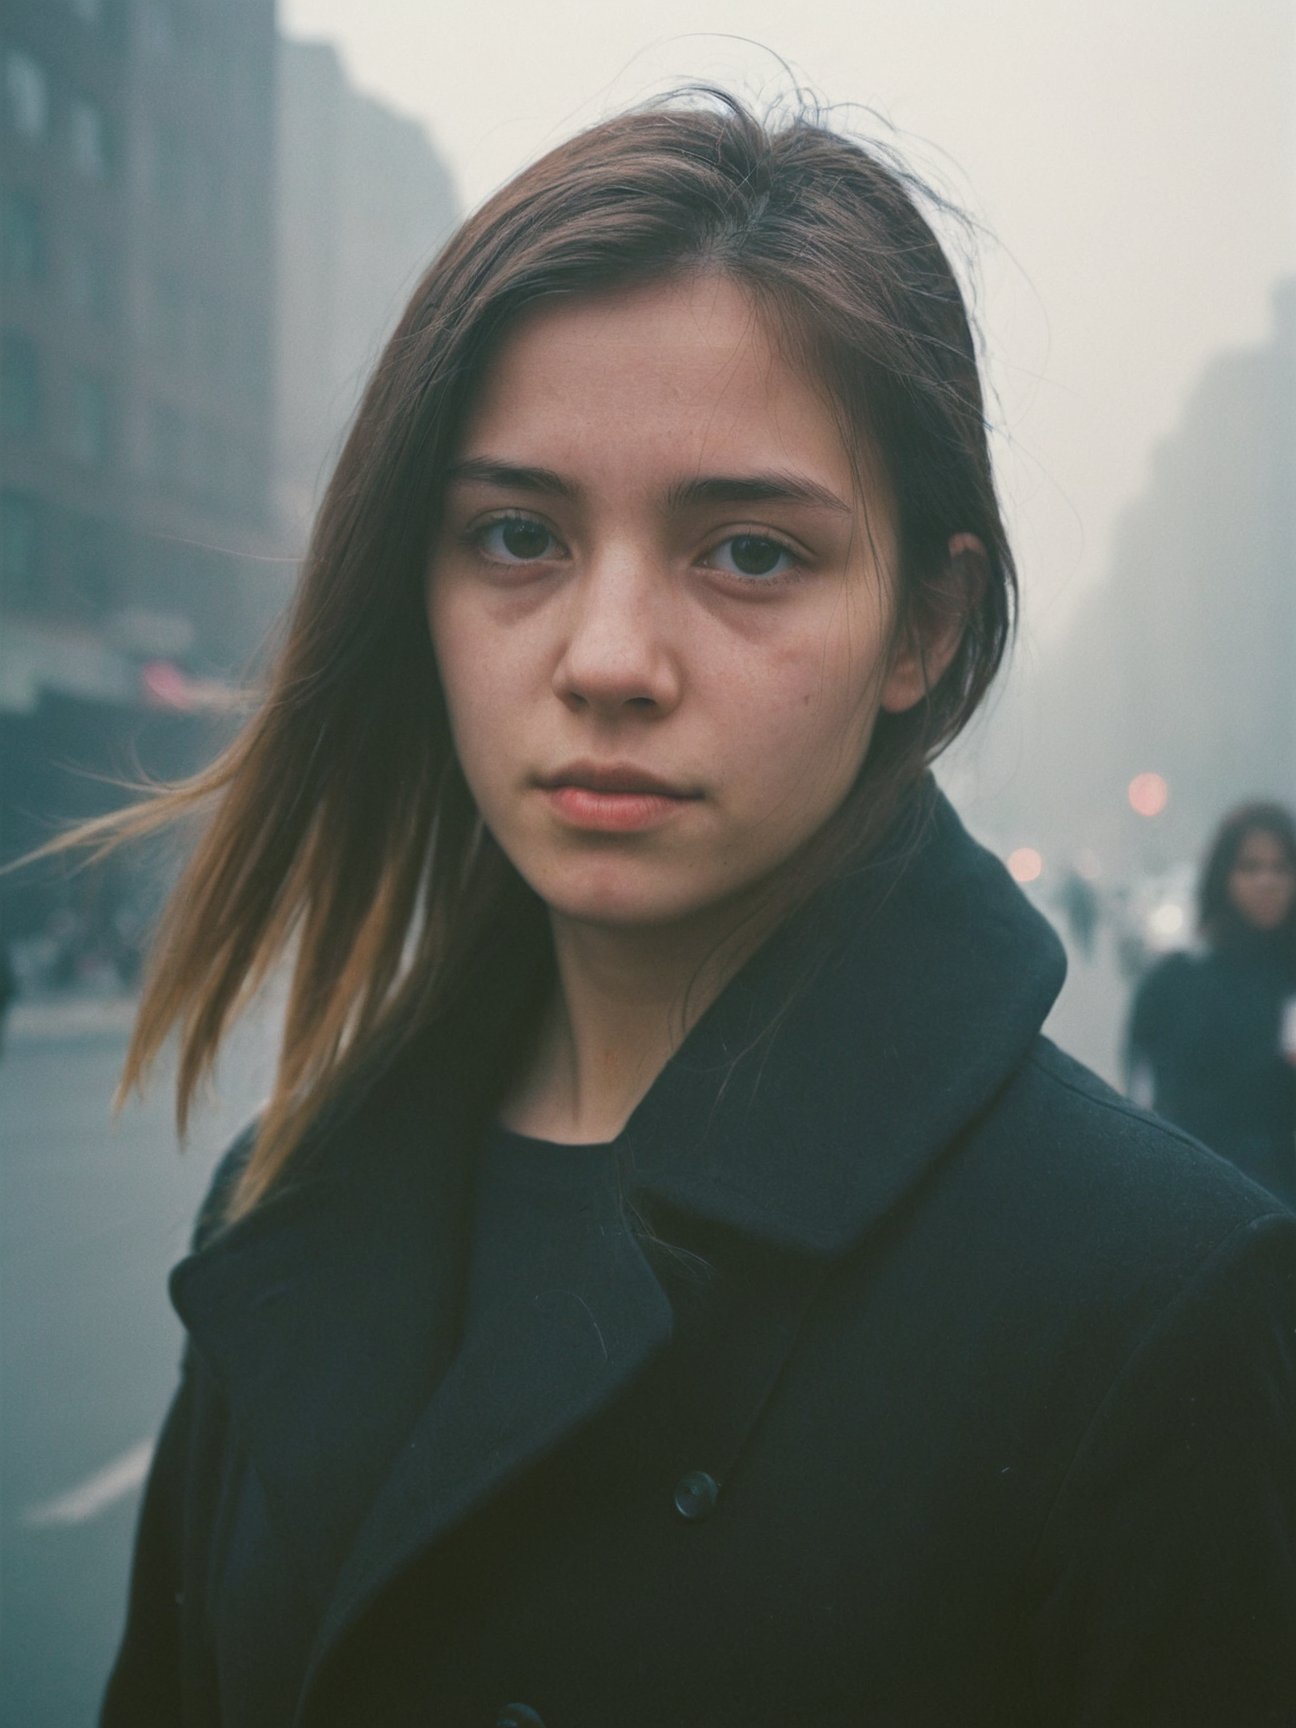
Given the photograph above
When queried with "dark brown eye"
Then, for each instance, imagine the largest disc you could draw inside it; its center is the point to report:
(754, 555)
(522, 539)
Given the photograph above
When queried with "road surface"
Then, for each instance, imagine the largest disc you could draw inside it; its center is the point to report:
(93, 1213)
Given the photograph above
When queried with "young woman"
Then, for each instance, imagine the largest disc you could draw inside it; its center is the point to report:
(1216, 1032)
(673, 1283)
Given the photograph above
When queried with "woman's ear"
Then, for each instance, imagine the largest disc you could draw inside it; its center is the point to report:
(940, 617)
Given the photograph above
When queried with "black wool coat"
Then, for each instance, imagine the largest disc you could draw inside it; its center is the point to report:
(945, 1388)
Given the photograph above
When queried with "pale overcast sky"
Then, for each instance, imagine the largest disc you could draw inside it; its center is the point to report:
(1135, 161)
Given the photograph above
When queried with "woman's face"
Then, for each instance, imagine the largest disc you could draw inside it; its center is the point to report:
(1262, 882)
(660, 612)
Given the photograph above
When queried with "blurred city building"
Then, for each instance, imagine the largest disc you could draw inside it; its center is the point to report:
(136, 207)
(1173, 694)
(364, 201)
(1198, 621)
(205, 235)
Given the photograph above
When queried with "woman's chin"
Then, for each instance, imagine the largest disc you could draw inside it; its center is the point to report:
(630, 896)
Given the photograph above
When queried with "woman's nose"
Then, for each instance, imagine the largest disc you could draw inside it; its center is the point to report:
(619, 649)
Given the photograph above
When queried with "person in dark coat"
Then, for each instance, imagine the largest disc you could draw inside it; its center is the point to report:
(1216, 1032)
(8, 987)
(674, 1284)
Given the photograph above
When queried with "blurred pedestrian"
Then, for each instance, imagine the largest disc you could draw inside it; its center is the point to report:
(1215, 1032)
(8, 987)
(1080, 906)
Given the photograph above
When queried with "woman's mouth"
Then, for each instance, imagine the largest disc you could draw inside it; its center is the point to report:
(613, 799)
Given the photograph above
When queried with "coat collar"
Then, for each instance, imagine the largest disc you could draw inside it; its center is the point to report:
(799, 1111)
(896, 1015)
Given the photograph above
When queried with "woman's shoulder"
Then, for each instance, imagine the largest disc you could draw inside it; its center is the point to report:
(1170, 972)
(1095, 1229)
(1092, 1121)
(381, 1097)
(1111, 1184)
(213, 1212)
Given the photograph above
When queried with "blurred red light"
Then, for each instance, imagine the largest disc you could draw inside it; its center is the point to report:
(1025, 864)
(1148, 794)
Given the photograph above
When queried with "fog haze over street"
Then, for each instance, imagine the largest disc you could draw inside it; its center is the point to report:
(1134, 170)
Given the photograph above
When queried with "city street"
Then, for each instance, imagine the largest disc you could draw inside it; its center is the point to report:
(93, 1213)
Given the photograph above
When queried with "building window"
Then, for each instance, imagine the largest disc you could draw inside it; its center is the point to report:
(256, 365)
(170, 152)
(170, 314)
(106, 17)
(158, 27)
(88, 139)
(19, 550)
(26, 94)
(206, 189)
(20, 400)
(89, 276)
(212, 478)
(209, 331)
(22, 238)
(89, 439)
(90, 578)
(248, 473)
(168, 448)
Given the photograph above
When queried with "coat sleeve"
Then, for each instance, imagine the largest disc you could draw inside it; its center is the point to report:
(145, 1689)
(159, 1678)
(1169, 1557)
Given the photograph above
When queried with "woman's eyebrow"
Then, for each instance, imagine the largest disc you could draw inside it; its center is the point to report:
(510, 477)
(767, 487)
(772, 487)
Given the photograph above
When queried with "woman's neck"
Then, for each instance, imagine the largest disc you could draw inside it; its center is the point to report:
(623, 1003)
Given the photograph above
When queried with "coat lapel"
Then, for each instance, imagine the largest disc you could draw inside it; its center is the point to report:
(538, 1369)
(332, 1319)
(331, 1312)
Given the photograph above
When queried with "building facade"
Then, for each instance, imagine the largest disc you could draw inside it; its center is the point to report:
(137, 535)
(364, 201)
(1180, 663)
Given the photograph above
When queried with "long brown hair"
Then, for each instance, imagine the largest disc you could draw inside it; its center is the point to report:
(343, 831)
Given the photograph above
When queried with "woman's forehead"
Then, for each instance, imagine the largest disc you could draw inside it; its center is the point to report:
(695, 357)
(656, 386)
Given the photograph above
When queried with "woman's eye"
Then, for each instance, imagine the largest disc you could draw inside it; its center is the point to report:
(516, 540)
(754, 556)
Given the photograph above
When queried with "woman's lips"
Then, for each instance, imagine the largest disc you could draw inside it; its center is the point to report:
(613, 812)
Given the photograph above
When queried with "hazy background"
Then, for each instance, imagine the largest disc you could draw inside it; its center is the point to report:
(210, 212)
(1135, 167)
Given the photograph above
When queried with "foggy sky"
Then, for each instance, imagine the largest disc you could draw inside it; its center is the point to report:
(1135, 164)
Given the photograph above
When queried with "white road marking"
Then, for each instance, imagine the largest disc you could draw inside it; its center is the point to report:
(97, 1493)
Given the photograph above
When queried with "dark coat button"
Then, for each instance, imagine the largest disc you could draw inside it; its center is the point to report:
(518, 1716)
(696, 1495)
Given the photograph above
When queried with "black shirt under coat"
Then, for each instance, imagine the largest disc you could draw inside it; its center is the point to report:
(991, 1374)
